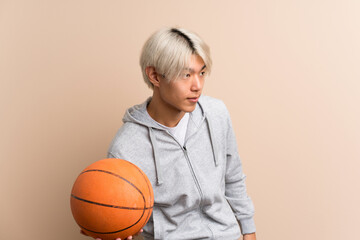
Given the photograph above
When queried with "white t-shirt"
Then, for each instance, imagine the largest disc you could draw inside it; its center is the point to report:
(179, 131)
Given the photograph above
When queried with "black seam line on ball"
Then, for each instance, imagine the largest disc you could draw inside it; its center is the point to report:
(108, 205)
(117, 231)
(116, 175)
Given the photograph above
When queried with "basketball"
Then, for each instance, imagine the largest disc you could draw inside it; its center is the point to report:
(111, 198)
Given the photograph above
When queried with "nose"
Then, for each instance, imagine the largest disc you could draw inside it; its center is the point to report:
(196, 83)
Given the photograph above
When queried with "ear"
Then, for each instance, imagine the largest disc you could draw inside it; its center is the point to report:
(153, 76)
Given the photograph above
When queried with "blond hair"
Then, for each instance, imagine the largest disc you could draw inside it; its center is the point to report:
(169, 50)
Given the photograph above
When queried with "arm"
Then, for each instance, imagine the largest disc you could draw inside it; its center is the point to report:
(235, 188)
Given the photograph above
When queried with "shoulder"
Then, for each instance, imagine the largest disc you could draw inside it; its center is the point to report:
(130, 130)
(210, 100)
(128, 139)
(213, 106)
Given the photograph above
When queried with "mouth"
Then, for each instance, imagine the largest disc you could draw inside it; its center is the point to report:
(193, 99)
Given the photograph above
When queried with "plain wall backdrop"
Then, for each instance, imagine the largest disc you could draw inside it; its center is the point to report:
(288, 71)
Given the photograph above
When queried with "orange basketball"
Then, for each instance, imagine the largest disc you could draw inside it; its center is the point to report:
(111, 198)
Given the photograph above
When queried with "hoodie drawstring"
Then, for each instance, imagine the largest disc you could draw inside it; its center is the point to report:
(155, 150)
(212, 140)
(156, 160)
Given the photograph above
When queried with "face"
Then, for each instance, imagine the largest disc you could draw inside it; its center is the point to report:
(182, 94)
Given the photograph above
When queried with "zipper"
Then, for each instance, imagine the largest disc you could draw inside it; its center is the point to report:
(198, 187)
(194, 176)
(191, 168)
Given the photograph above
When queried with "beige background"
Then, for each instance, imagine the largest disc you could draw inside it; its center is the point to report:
(288, 71)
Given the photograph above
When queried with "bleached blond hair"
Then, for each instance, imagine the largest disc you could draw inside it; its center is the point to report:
(169, 50)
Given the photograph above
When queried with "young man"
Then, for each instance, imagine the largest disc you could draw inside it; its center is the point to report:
(185, 144)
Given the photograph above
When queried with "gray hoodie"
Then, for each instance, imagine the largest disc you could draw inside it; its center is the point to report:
(199, 188)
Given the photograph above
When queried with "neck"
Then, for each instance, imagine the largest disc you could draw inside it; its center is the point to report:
(163, 113)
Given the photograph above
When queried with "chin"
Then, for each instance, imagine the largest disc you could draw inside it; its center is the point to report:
(189, 109)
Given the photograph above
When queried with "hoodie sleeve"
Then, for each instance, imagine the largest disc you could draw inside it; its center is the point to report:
(235, 188)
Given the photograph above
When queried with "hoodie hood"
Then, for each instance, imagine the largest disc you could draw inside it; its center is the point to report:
(138, 115)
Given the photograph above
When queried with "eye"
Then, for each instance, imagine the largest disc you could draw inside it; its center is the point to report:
(203, 73)
(186, 75)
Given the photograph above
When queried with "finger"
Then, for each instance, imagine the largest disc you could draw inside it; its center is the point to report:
(129, 238)
(98, 239)
(141, 230)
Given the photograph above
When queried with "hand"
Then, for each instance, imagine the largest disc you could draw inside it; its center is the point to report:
(128, 238)
(250, 236)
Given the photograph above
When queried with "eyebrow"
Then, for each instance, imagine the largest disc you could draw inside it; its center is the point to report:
(192, 70)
